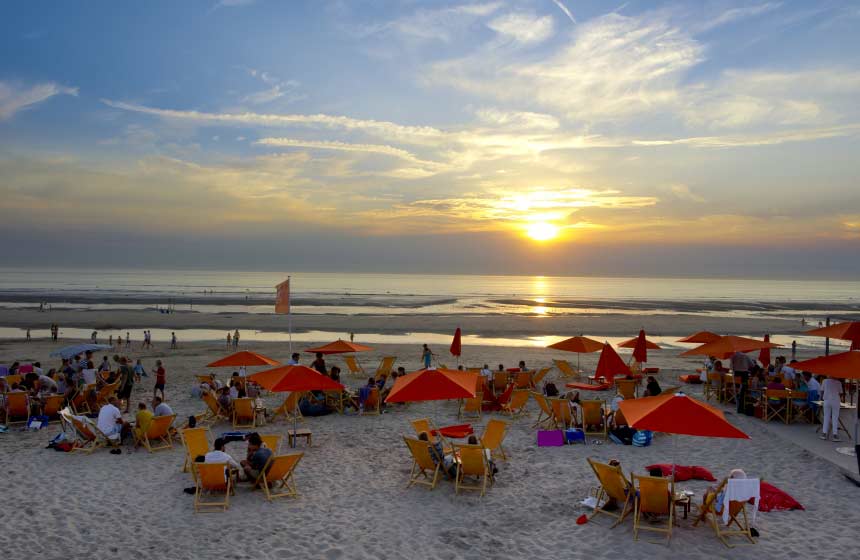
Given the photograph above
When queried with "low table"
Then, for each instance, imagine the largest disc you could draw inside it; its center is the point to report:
(683, 500)
(292, 435)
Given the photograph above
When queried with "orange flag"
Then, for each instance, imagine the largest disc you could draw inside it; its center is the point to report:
(282, 300)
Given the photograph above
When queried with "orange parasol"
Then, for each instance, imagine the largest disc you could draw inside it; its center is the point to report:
(845, 365)
(294, 378)
(578, 344)
(701, 337)
(677, 413)
(433, 385)
(339, 347)
(456, 344)
(244, 358)
(610, 364)
(640, 351)
(728, 345)
(849, 330)
(633, 341)
(764, 353)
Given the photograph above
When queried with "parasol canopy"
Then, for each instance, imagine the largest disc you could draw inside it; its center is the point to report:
(578, 344)
(433, 385)
(845, 365)
(339, 347)
(294, 378)
(726, 346)
(676, 413)
(701, 337)
(244, 358)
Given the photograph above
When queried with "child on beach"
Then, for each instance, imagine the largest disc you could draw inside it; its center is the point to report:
(160, 379)
(427, 356)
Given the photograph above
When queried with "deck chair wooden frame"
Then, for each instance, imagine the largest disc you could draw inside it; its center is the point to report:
(471, 461)
(546, 415)
(53, 405)
(516, 406)
(195, 441)
(277, 479)
(106, 392)
(17, 405)
(523, 380)
(422, 463)
(654, 495)
(472, 407)
(272, 441)
(244, 415)
(385, 365)
(158, 436)
(500, 381)
(592, 412)
(493, 436)
(86, 439)
(373, 403)
(737, 517)
(613, 486)
(777, 405)
(426, 425)
(212, 479)
(353, 367)
(566, 369)
(713, 387)
(214, 411)
(562, 415)
(800, 411)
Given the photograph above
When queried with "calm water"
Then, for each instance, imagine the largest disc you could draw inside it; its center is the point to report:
(349, 293)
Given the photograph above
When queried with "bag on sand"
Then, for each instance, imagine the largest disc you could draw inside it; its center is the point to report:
(642, 438)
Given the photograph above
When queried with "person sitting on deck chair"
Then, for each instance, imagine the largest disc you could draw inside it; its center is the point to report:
(257, 458)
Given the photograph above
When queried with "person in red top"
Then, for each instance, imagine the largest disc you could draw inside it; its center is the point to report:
(160, 379)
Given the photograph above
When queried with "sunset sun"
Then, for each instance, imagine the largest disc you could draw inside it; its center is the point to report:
(542, 231)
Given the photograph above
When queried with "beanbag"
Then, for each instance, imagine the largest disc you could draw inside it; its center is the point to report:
(701, 473)
(774, 499)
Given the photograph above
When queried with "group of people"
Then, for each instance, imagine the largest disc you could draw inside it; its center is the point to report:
(233, 340)
(249, 468)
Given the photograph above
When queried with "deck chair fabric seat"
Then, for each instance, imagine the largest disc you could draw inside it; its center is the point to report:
(277, 480)
(614, 487)
(422, 463)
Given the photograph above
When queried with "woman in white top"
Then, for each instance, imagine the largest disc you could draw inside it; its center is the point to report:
(89, 374)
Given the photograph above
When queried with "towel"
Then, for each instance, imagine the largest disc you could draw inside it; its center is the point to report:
(742, 490)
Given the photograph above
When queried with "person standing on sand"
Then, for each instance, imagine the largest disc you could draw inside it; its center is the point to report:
(127, 340)
(126, 382)
(831, 390)
(741, 366)
(173, 341)
(229, 340)
(160, 379)
(28, 335)
(236, 340)
(427, 356)
(94, 337)
(793, 349)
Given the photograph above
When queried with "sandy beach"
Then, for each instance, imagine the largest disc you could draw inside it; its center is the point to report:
(354, 502)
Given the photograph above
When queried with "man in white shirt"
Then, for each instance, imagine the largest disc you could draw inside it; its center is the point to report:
(161, 408)
(832, 389)
(741, 365)
(220, 456)
(89, 375)
(110, 421)
(487, 374)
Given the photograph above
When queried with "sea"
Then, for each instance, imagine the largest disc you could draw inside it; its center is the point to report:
(421, 294)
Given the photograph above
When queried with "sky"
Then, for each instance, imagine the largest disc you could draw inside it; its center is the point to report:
(556, 137)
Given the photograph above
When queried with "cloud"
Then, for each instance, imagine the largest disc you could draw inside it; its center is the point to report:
(518, 120)
(736, 14)
(683, 192)
(765, 139)
(15, 98)
(523, 28)
(564, 9)
(284, 90)
(613, 67)
(434, 24)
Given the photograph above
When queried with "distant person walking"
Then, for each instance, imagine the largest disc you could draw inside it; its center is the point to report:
(127, 340)
(160, 379)
(229, 340)
(352, 337)
(793, 350)
(28, 335)
(427, 356)
(94, 337)
(173, 345)
(236, 339)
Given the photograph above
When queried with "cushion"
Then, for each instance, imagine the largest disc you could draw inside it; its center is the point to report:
(682, 473)
(774, 499)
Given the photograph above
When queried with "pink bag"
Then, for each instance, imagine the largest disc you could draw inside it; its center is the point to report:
(550, 438)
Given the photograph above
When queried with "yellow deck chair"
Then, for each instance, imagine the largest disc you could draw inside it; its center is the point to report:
(626, 388)
(472, 461)
(593, 418)
(566, 368)
(562, 415)
(425, 425)
(106, 392)
(493, 436)
(777, 405)
(289, 408)
(17, 406)
(244, 415)
(713, 386)
(79, 402)
(277, 478)
(209, 378)
(737, 517)
(523, 380)
(422, 463)
(546, 415)
(12, 379)
(614, 486)
(196, 443)
(500, 381)
(86, 439)
(352, 366)
(272, 441)
(538, 377)
(654, 496)
(800, 408)
(385, 366)
(516, 406)
(472, 407)
(212, 480)
(53, 404)
(214, 412)
(159, 431)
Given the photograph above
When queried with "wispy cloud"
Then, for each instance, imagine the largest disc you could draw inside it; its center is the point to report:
(737, 14)
(284, 90)
(440, 24)
(522, 27)
(15, 97)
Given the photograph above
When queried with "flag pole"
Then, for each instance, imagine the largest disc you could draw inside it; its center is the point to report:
(290, 324)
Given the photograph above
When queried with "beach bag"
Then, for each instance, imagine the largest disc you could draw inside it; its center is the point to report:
(642, 438)
(550, 438)
(574, 435)
(37, 422)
